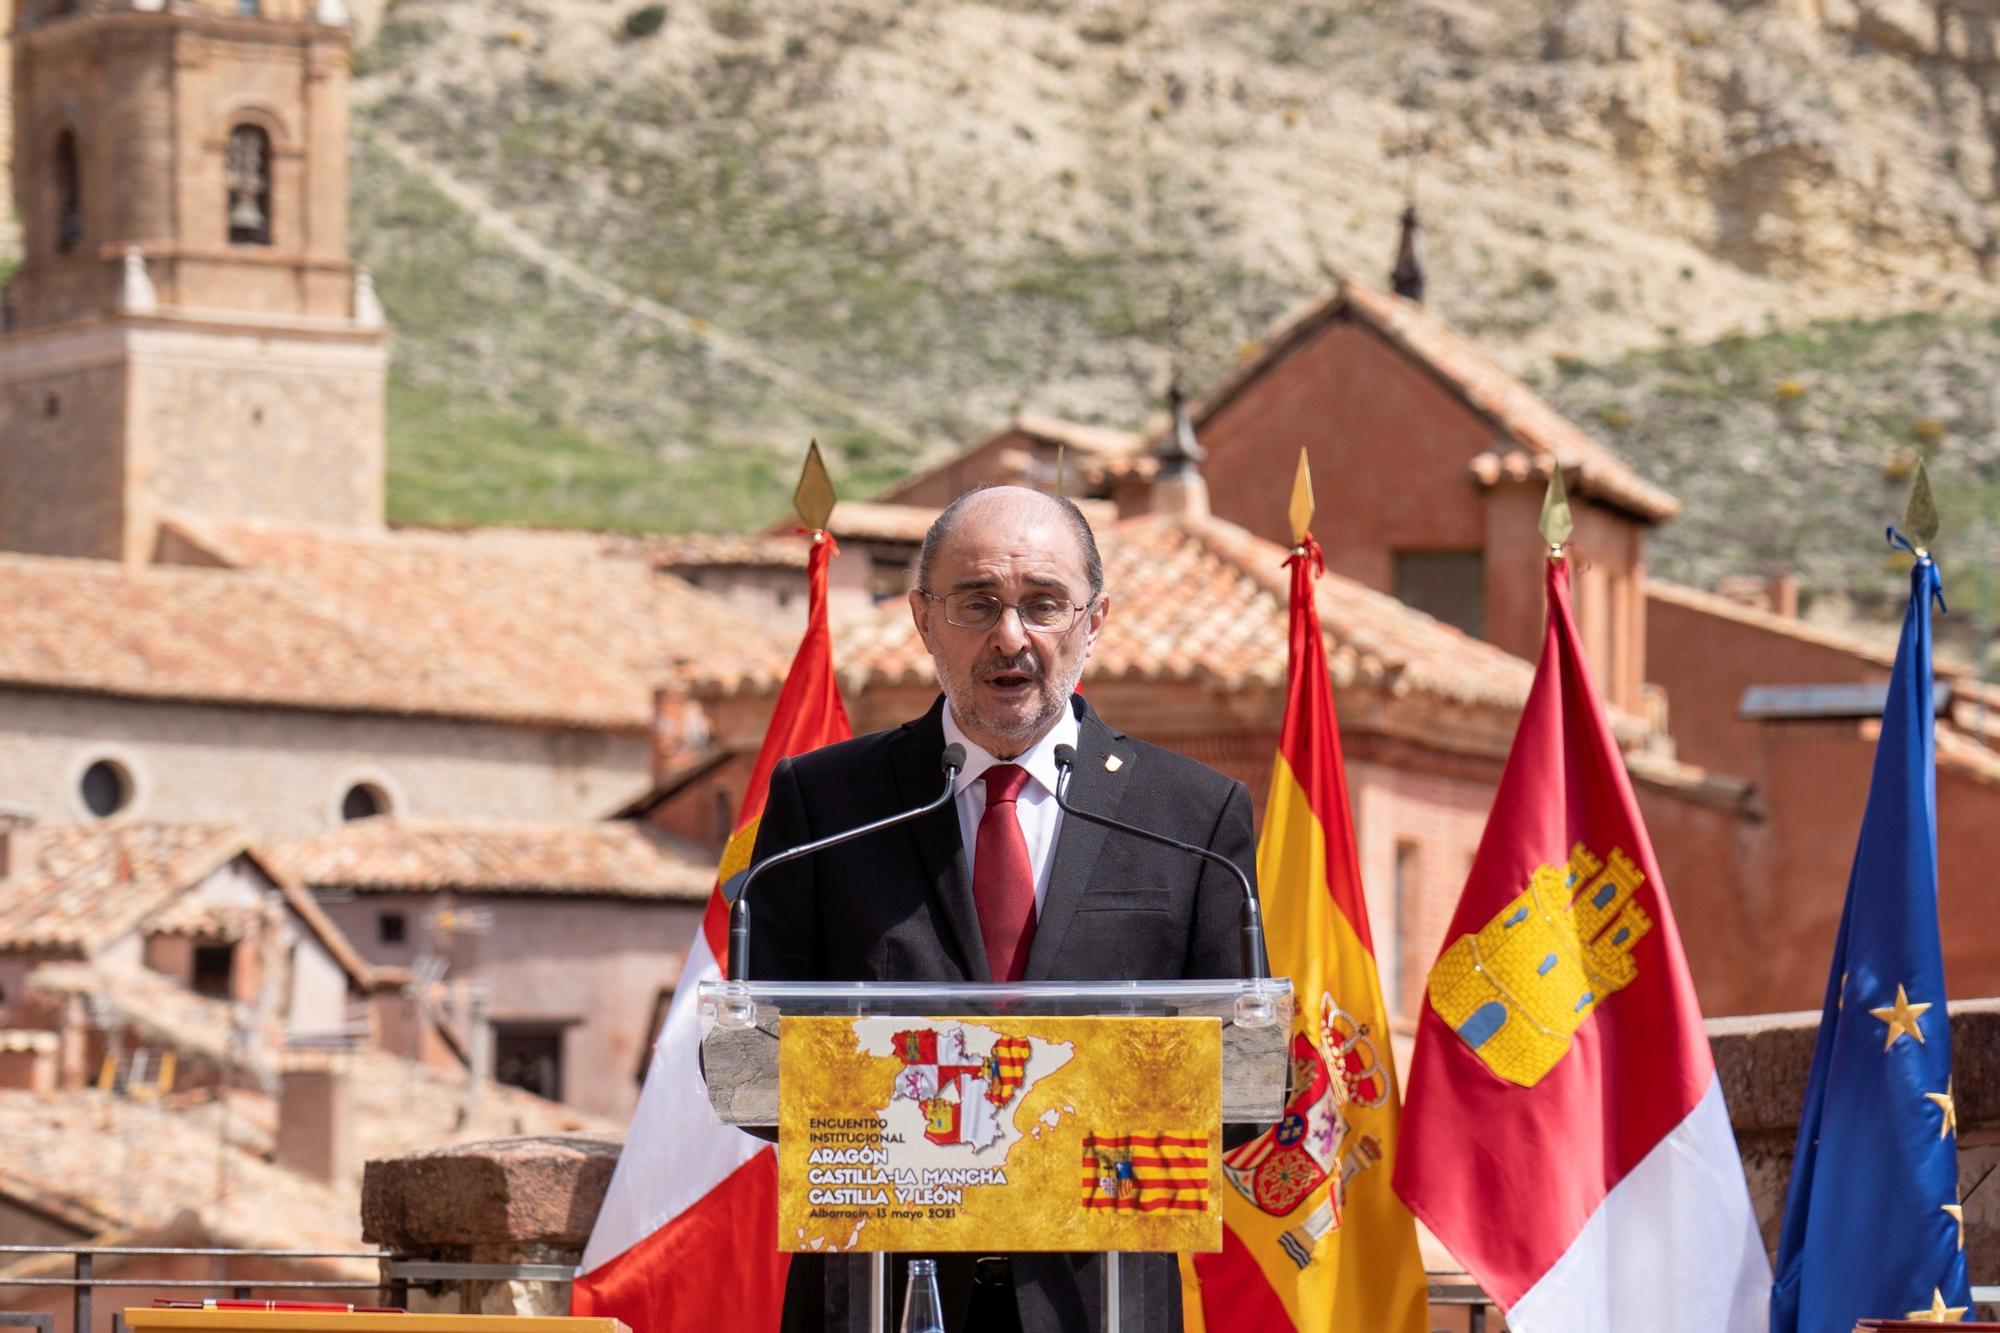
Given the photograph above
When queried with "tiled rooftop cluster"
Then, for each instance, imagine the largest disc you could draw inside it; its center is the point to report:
(91, 884)
(618, 858)
(539, 628)
(1200, 600)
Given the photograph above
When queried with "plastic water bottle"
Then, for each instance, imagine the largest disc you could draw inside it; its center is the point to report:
(923, 1312)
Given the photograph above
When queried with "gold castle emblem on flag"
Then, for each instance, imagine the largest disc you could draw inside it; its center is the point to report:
(1517, 991)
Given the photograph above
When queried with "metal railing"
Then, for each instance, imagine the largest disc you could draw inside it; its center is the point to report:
(391, 1289)
(1458, 1289)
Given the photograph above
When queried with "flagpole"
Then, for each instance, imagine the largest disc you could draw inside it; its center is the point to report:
(1874, 1223)
(1561, 1081)
(683, 1241)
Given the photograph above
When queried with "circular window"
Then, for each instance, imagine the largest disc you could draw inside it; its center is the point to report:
(363, 801)
(106, 788)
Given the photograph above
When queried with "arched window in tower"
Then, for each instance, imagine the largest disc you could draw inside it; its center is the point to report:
(248, 171)
(69, 194)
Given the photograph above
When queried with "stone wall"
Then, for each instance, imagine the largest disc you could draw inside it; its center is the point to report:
(532, 1201)
(106, 424)
(242, 423)
(283, 772)
(62, 431)
(1764, 1060)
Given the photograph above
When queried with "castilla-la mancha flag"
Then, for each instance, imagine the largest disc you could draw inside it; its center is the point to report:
(1565, 1134)
(687, 1237)
(1314, 1238)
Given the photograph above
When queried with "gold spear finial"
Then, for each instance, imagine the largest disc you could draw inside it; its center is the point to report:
(1556, 524)
(1301, 511)
(1920, 520)
(813, 497)
(1062, 461)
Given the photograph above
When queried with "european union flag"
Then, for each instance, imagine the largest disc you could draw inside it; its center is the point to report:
(1873, 1227)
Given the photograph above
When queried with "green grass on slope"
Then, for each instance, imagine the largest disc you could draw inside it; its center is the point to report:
(1795, 448)
(515, 399)
(699, 187)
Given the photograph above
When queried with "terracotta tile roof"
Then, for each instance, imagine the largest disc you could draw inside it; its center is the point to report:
(782, 547)
(1100, 441)
(121, 1165)
(92, 884)
(187, 915)
(757, 550)
(875, 521)
(1089, 446)
(553, 628)
(109, 1163)
(1203, 601)
(617, 858)
(1515, 410)
(403, 1105)
(1963, 752)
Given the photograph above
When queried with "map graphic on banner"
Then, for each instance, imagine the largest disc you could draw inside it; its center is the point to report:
(903, 1133)
(962, 1094)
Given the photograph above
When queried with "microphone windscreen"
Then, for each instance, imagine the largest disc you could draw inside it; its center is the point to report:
(1065, 756)
(954, 758)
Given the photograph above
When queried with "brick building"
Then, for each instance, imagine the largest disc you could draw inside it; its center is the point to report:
(1430, 464)
(570, 935)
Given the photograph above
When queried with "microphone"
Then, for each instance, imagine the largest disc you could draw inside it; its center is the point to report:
(952, 761)
(1251, 931)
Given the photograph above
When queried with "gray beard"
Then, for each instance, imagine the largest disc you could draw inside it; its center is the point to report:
(1025, 733)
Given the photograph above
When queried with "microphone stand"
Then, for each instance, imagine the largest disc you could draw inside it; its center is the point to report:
(1251, 930)
(953, 761)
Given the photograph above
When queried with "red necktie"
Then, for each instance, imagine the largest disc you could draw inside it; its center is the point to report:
(1003, 879)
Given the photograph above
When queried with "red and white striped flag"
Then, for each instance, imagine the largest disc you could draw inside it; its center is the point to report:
(687, 1237)
(1565, 1133)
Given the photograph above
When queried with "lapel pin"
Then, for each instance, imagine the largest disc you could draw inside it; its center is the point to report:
(1112, 763)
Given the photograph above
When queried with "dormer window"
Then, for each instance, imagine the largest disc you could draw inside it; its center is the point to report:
(248, 172)
(69, 194)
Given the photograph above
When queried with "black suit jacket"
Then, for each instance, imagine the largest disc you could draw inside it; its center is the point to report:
(897, 906)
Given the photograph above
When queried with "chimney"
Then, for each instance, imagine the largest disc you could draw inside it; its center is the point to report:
(17, 842)
(1785, 595)
(1407, 278)
(316, 1116)
(1178, 486)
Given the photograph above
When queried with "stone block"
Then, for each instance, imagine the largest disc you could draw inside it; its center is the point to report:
(1764, 1061)
(493, 1200)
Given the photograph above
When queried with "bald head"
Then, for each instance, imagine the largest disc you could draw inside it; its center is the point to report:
(1008, 504)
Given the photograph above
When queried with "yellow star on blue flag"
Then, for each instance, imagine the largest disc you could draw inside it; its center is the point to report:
(1872, 1221)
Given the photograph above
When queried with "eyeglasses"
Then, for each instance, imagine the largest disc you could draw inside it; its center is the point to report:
(1043, 613)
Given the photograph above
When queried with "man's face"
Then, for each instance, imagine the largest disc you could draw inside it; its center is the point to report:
(1007, 684)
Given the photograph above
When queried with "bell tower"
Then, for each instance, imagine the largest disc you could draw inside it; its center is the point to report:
(186, 330)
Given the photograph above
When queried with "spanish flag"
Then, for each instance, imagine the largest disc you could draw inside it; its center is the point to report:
(1313, 1236)
(684, 1238)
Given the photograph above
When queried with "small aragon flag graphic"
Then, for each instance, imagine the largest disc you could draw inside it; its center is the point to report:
(1143, 1173)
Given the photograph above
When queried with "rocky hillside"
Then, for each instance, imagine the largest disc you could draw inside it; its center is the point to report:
(1791, 452)
(694, 232)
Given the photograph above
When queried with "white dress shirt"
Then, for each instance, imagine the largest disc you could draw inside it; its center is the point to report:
(1035, 807)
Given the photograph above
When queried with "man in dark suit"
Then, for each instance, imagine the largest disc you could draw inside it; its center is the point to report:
(1010, 601)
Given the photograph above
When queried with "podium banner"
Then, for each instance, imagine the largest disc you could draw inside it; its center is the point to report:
(999, 1134)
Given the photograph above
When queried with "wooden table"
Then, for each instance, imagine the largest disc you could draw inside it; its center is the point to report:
(296, 1321)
